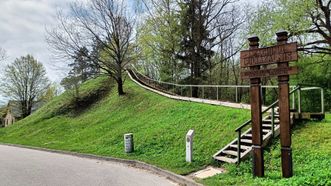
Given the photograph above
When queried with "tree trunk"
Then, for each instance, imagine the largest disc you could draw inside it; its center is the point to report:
(29, 109)
(24, 109)
(120, 90)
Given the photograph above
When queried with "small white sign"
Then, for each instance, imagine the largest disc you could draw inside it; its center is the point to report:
(189, 145)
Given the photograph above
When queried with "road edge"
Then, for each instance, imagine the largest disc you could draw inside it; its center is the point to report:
(133, 163)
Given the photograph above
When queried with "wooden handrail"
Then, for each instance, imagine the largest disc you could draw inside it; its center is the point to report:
(266, 110)
(272, 106)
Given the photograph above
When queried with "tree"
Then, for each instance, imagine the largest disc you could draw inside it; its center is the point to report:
(3, 54)
(83, 67)
(184, 36)
(26, 82)
(52, 91)
(101, 23)
(159, 40)
(206, 24)
(308, 21)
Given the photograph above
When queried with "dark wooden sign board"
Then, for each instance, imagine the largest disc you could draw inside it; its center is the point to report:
(269, 72)
(269, 55)
(251, 61)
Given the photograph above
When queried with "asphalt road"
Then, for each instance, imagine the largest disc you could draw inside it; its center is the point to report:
(25, 167)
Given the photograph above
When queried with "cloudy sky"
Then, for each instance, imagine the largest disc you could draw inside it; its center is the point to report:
(22, 32)
(22, 29)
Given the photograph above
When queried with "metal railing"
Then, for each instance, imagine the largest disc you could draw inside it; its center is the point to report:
(229, 93)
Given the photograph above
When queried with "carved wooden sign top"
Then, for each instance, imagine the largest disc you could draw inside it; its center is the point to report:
(269, 55)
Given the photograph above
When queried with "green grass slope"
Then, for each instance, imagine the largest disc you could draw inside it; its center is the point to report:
(311, 145)
(159, 126)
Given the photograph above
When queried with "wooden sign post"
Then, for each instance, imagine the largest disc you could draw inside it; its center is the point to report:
(280, 54)
(284, 114)
(256, 110)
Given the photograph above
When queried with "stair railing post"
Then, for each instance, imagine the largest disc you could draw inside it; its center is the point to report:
(273, 121)
(239, 146)
(293, 100)
(203, 92)
(299, 101)
(322, 101)
(236, 94)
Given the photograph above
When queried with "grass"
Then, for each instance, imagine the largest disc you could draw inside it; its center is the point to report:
(159, 126)
(311, 145)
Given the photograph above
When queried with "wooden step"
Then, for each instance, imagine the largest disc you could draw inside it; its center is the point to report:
(246, 141)
(231, 152)
(250, 135)
(244, 147)
(265, 130)
(268, 121)
(226, 159)
(267, 126)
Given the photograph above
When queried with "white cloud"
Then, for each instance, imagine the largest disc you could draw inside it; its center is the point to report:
(22, 28)
(22, 32)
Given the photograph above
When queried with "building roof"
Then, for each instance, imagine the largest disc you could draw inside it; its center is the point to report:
(15, 108)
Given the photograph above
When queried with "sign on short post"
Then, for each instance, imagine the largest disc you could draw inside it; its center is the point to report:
(189, 145)
(128, 143)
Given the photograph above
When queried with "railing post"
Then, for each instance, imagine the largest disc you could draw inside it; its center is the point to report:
(181, 91)
(238, 150)
(191, 91)
(236, 94)
(299, 100)
(293, 100)
(273, 121)
(217, 93)
(203, 92)
(322, 101)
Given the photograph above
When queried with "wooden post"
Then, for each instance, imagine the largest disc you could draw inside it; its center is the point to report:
(293, 100)
(284, 107)
(299, 101)
(322, 101)
(237, 95)
(239, 147)
(256, 109)
(273, 121)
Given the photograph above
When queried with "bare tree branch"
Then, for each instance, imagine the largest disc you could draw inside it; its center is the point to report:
(102, 24)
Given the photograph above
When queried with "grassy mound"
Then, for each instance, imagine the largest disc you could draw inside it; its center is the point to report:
(311, 145)
(159, 126)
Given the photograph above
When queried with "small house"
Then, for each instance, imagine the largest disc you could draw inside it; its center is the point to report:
(9, 119)
(12, 113)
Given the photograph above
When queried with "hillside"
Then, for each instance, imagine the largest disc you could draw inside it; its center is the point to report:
(159, 125)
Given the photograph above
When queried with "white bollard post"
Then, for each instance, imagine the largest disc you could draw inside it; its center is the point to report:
(189, 145)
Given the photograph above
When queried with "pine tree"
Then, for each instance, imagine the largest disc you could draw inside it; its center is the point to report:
(196, 41)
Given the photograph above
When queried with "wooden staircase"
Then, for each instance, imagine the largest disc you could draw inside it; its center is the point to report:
(241, 147)
(230, 152)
